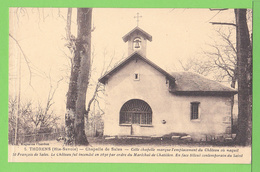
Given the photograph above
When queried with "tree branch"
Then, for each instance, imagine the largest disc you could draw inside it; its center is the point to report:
(25, 58)
(68, 26)
(220, 23)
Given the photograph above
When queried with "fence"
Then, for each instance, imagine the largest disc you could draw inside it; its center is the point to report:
(35, 137)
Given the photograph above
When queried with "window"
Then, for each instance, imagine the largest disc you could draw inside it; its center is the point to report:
(136, 118)
(136, 77)
(194, 110)
(136, 111)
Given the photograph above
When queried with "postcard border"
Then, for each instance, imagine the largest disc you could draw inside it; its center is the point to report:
(4, 8)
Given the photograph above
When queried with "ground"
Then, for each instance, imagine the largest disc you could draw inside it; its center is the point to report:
(113, 141)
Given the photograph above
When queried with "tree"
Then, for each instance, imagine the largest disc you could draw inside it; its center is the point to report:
(39, 119)
(236, 63)
(76, 95)
(24, 126)
(243, 76)
(31, 120)
(220, 62)
(243, 54)
(44, 117)
(225, 60)
(95, 123)
(79, 79)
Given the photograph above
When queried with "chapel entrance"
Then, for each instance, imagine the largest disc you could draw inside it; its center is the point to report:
(135, 113)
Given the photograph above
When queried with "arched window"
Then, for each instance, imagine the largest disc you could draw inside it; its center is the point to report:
(136, 111)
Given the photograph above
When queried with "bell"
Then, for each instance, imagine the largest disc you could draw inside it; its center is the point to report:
(137, 45)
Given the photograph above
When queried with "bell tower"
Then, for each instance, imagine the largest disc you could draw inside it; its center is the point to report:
(137, 39)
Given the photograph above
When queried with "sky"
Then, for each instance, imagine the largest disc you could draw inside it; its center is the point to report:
(178, 34)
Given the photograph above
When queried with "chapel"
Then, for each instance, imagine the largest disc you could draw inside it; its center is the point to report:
(144, 100)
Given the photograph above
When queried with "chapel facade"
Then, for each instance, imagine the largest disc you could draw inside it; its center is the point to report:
(144, 100)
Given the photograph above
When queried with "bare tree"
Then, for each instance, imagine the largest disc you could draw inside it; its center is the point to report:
(23, 126)
(219, 62)
(203, 67)
(233, 60)
(41, 119)
(19, 84)
(44, 118)
(31, 120)
(243, 74)
(79, 70)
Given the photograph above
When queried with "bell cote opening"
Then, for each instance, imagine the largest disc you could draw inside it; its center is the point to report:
(137, 43)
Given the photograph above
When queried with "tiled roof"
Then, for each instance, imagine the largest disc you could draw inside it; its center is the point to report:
(193, 82)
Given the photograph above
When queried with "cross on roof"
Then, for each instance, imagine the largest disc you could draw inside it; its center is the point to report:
(137, 18)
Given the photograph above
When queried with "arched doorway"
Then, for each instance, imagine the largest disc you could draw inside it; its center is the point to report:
(136, 111)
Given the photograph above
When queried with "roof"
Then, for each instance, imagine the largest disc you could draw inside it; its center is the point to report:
(137, 29)
(189, 82)
(128, 59)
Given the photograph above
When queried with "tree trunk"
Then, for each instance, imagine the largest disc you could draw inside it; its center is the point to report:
(233, 85)
(83, 49)
(76, 96)
(243, 43)
(249, 81)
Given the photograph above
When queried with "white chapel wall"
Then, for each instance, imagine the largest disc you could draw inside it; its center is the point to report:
(175, 110)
